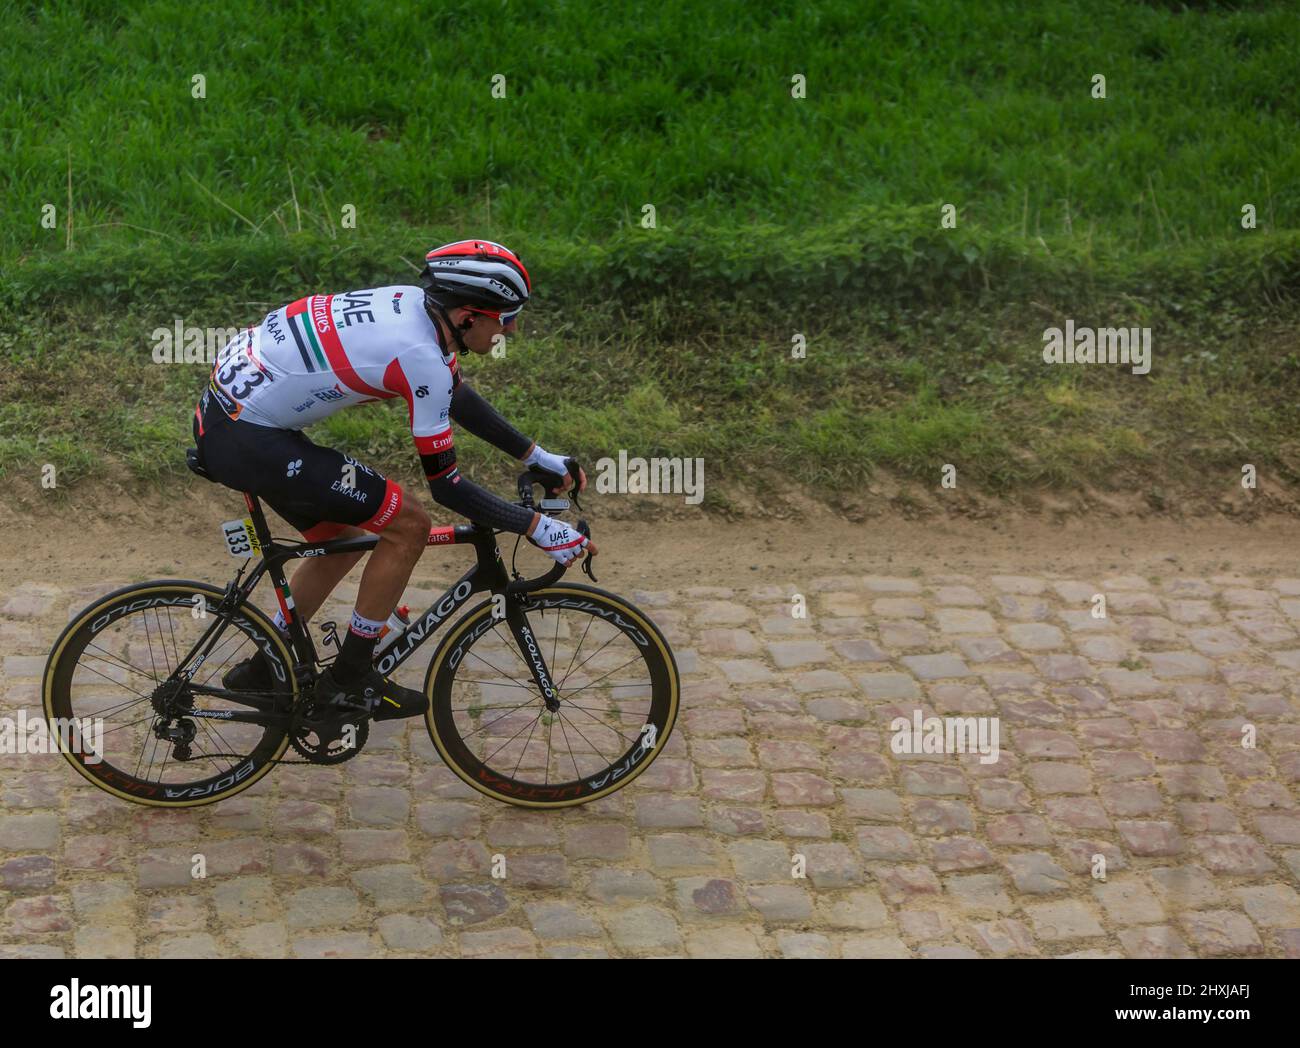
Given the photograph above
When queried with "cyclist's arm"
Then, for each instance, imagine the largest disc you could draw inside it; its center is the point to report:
(461, 495)
(433, 440)
(477, 416)
(470, 410)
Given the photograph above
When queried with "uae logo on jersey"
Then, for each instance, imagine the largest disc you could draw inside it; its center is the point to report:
(397, 302)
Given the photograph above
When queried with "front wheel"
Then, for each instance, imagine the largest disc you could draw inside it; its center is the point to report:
(618, 690)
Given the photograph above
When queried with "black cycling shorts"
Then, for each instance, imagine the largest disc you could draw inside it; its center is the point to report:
(317, 490)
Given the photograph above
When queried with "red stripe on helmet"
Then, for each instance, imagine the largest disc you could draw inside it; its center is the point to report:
(486, 248)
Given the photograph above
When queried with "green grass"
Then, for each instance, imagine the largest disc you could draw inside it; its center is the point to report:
(687, 106)
(903, 391)
(777, 218)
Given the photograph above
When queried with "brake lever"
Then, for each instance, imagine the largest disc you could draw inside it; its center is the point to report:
(575, 471)
(585, 531)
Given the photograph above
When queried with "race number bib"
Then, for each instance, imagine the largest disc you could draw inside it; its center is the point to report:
(241, 537)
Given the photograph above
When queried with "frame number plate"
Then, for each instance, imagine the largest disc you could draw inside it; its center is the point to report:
(241, 537)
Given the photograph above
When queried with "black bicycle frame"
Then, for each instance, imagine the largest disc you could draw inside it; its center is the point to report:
(488, 573)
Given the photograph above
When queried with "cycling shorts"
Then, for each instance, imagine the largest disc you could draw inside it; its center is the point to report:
(317, 490)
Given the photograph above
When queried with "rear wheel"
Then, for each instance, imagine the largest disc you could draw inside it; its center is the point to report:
(618, 689)
(119, 664)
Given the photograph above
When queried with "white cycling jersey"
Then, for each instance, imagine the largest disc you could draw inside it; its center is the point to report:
(312, 357)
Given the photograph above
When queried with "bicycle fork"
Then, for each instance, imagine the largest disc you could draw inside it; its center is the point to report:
(531, 651)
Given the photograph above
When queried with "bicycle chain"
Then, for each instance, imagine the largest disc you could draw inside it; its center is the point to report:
(310, 756)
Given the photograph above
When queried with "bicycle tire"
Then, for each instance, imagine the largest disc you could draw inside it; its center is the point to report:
(116, 607)
(586, 785)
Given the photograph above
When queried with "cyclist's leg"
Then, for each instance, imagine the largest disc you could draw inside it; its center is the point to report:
(386, 573)
(314, 579)
(325, 495)
(390, 565)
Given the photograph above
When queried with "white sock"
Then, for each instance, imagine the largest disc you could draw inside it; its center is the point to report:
(364, 627)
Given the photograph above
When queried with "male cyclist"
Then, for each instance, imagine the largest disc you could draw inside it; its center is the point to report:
(307, 360)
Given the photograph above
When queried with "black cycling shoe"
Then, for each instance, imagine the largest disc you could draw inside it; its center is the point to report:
(250, 675)
(384, 699)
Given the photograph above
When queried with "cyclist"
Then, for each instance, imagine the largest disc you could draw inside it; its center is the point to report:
(307, 360)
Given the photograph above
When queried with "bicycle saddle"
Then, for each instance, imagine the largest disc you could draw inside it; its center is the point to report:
(195, 463)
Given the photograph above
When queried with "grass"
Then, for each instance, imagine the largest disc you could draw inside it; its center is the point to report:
(875, 391)
(388, 108)
(781, 221)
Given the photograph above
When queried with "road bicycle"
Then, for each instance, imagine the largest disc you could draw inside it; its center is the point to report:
(546, 694)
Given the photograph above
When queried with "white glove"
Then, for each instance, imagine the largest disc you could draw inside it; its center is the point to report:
(543, 459)
(558, 540)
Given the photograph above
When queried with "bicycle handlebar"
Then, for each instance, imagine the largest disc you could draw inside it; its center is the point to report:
(550, 484)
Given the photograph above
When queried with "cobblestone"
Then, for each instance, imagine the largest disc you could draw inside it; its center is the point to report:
(778, 822)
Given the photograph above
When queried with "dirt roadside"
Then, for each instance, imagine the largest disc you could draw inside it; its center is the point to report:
(147, 537)
(1120, 740)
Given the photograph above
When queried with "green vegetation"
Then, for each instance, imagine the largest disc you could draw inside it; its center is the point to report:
(776, 217)
(685, 105)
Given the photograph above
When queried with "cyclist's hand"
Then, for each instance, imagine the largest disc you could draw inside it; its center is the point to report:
(543, 459)
(559, 541)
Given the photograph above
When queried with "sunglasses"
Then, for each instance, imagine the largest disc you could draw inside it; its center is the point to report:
(501, 318)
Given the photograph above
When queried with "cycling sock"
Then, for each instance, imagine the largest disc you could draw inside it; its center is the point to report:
(358, 649)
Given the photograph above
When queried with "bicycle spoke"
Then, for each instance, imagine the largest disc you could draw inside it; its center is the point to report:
(508, 741)
(506, 675)
(113, 660)
(523, 750)
(498, 684)
(127, 675)
(176, 651)
(577, 648)
(162, 641)
(599, 679)
(555, 643)
(603, 724)
(550, 728)
(579, 731)
(148, 636)
(141, 696)
(503, 716)
(592, 656)
(577, 772)
(210, 731)
(243, 640)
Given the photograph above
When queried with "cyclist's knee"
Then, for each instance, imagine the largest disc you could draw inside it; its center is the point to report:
(410, 528)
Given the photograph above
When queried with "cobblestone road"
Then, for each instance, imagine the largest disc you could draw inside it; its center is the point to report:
(1119, 737)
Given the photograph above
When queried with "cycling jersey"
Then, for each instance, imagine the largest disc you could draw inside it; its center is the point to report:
(312, 357)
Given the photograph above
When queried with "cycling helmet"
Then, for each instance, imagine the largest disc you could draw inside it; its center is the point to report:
(479, 275)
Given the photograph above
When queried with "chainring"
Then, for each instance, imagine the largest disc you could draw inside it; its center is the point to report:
(321, 735)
